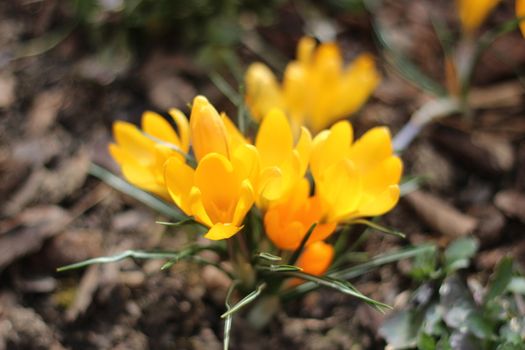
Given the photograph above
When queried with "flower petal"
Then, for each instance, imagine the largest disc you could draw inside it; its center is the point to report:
(222, 231)
(304, 149)
(219, 185)
(208, 132)
(316, 258)
(155, 125)
(183, 128)
(274, 139)
(373, 147)
(129, 137)
(262, 90)
(340, 190)
(178, 177)
(329, 147)
(244, 203)
(381, 203)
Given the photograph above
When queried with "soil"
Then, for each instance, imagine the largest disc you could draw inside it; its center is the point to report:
(56, 111)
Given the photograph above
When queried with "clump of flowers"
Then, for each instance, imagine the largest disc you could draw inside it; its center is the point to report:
(276, 206)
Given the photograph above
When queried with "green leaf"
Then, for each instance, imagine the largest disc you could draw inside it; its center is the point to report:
(479, 326)
(225, 88)
(143, 197)
(342, 286)
(135, 254)
(187, 221)
(378, 227)
(458, 253)
(500, 279)
(228, 320)
(189, 252)
(299, 250)
(268, 256)
(426, 342)
(245, 301)
(361, 269)
(280, 268)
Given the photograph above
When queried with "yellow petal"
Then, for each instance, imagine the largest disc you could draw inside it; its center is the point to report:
(183, 127)
(269, 186)
(385, 173)
(473, 12)
(178, 177)
(274, 139)
(222, 231)
(143, 178)
(219, 185)
(244, 203)
(235, 137)
(197, 209)
(359, 81)
(129, 137)
(120, 155)
(208, 132)
(373, 147)
(247, 163)
(297, 93)
(155, 125)
(329, 147)
(304, 149)
(381, 203)
(262, 90)
(340, 190)
(305, 49)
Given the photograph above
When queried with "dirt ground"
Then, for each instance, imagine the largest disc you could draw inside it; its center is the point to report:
(56, 110)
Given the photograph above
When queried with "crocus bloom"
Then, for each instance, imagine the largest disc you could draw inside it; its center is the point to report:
(287, 222)
(520, 12)
(355, 179)
(219, 192)
(472, 13)
(214, 193)
(316, 258)
(317, 89)
(282, 164)
(141, 153)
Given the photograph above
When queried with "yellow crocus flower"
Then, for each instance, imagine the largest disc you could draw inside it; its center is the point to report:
(287, 222)
(141, 153)
(355, 179)
(282, 164)
(472, 13)
(219, 191)
(215, 193)
(317, 88)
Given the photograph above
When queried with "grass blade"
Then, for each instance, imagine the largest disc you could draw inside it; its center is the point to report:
(228, 319)
(299, 250)
(268, 256)
(245, 301)
(141, 196)
(361, 269)
(378, 227)
(135, 254)
(342, 286)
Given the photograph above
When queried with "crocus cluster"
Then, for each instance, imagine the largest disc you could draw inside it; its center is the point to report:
(297, 183)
